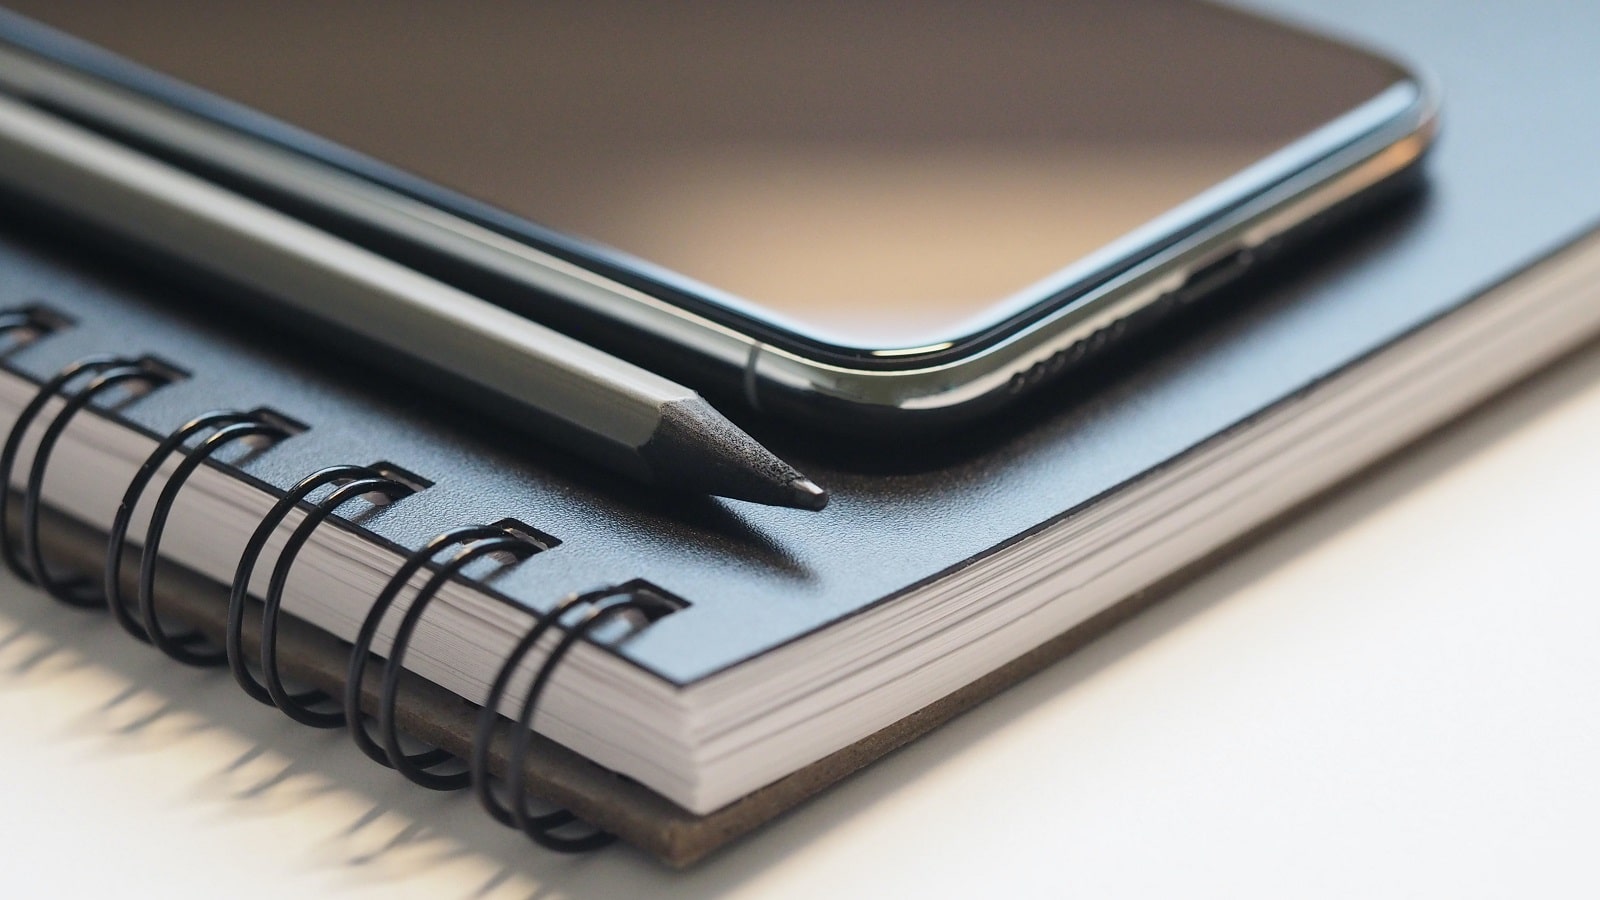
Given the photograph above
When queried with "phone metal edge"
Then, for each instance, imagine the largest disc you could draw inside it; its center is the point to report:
(1036, 353)
(1016, 363)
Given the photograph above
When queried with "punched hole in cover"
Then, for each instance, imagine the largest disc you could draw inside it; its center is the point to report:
(164, 373)
(658, 605)
(404, 476)
(257, 443)
(168, 372)
(540, 540)
(38, 321)
(280, 421)
(394, 473)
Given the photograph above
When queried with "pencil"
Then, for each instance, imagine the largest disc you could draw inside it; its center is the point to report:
(530, 377)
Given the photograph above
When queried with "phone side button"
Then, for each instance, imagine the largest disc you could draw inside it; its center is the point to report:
(1214, 274)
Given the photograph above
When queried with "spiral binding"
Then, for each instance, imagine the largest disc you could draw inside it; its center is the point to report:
(124, 515)
(108, 372)
(178, 647)
(293, 705)
(541, 828)
(481, 540)
(237, 595)
(101, 375)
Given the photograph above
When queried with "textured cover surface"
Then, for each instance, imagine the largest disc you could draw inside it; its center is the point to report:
(1512, 180)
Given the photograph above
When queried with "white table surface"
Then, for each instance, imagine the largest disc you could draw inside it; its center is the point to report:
(1396, 694)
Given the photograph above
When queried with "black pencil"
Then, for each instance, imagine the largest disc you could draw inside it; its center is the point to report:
(526, 375)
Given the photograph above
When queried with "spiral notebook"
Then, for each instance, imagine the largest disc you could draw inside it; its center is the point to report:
(691, 667)
(815, 642)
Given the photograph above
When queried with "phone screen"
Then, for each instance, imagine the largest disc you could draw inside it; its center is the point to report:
(872, 174)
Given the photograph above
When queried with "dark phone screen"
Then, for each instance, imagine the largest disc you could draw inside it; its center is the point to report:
(874, 174)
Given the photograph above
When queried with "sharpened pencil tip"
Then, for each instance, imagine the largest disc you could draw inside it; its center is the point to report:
(807, 494)
(694, 448)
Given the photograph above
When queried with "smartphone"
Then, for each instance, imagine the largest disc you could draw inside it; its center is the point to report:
(868, 215)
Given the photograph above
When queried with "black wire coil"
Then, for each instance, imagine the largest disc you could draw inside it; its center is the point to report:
(476, 541)
(107, 372)
(123, 517)
(602, 606)
(99, 375)
(353, 482)
(230, 427)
